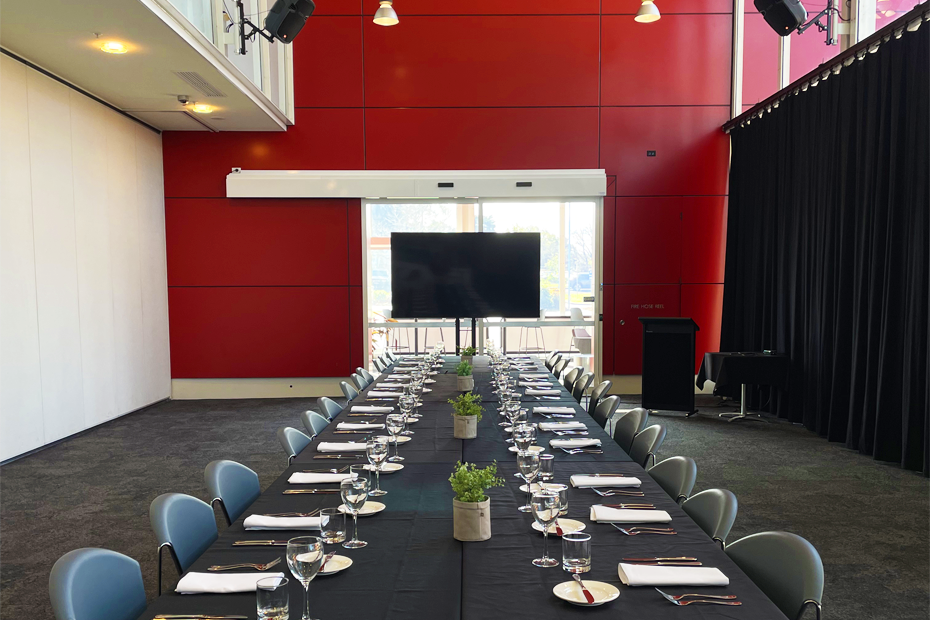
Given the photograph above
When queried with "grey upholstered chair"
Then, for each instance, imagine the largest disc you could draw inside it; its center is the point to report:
(359, 381)
(367, 376)
(597, 394)
(313, 422)
(786, 568)
(233, 485)
(390, 356)
(581, 385)
(714, 510)
(554, 357)
(379, 365)
(329, 407)
(293, 441)
(569, 377)
(349, 391)
(183, 524)
(605, 409)
(646, 444)
(96, 584)
(628, 425)
(559, 367)
(676, 476)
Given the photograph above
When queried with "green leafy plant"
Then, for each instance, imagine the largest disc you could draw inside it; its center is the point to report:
(467, 351)
(470, 483)
(463, 369)
(467, 404)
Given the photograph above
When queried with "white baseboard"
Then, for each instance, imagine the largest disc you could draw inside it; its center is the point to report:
(200, 389)
(633, 384)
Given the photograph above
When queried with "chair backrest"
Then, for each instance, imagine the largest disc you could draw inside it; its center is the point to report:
(714, 510)
(628, 426)
(359, 381)
(576, 314)
(582, 384)
(379, 365)
(559, 367)
(569, 378)
(646, 444)
(597, 394)
(96, 584)
(390, 356)
(313, 422)
(786, 567)
(329, 407)
(386, 359)
(552, 361)
(233, 485)
(605, 409)
(365, 374)
(293, 441)
(676, 476)
(185, 523)
(349, 391)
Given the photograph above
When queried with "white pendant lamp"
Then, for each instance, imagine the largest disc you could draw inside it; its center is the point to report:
(385, 15)
(648, 12)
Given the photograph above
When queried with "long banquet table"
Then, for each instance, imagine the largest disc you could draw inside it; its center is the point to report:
(413, 568)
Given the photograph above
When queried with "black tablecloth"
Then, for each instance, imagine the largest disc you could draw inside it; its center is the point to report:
(413, 568)
(730, 370)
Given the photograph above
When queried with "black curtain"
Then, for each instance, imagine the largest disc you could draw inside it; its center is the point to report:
(828, 252)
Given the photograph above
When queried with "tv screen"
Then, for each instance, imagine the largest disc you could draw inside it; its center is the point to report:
(464, 275)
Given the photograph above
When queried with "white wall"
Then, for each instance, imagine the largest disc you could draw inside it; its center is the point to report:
(83, 278)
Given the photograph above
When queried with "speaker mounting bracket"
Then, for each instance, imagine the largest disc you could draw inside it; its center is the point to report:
(827, 13)
(243, 35)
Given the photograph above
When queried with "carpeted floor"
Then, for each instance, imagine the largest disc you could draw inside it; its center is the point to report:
(868, 520)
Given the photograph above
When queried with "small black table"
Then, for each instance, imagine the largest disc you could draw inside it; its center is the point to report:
(729, 369)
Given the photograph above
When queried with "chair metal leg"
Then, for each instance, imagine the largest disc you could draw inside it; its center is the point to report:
(818, 610)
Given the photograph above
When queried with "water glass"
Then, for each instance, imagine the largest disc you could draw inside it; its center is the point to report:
(354, 492)
(332, 526)
(528, 464)
(395, 423)
(304, 558)
(562, 490)
(376, 449)
(545, 506)
(271, 598)
(576, 552)
(546, 467)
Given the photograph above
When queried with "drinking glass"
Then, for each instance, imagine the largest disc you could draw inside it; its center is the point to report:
(332, 525)
(546, 467)
(271, 598)
(545, 505)
(304, 557)
(528, 464)
(524, 436)
(376, 449)
(562, 490)
(406, 407)
(395, 424)
(354, 492)
(576, 552)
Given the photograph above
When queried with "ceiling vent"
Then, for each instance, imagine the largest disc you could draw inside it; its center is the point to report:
(201, 85)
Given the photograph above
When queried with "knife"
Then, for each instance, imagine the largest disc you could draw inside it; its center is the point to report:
(587, 595)
(260, 543)
(301, 491)
(681, 559)
(337, 456)
(631, 506)
(197, 617)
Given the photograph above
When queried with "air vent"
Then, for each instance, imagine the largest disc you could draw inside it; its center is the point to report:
(201, 85)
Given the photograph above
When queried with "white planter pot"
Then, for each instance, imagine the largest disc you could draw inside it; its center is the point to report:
(465, 384)
(468, 358)
(464, 426)
(471, 521)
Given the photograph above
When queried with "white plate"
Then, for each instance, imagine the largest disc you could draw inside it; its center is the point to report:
(568, 526)
(536, 449)
(386, 468)
(570, 591)
(370, 508)
(336, 564)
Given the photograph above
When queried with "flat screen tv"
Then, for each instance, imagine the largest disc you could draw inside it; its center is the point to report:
(464, 275)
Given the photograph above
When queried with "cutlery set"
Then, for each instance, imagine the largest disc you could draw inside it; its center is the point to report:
(711, 599)
(308, 491)
(631, 506)
(260, 543)
(197, 617)
(582, 450)
(326, 471)
(312, 513)
(621, 492)
(679, 561)
(258, 567)
(337, 456)
(555, 415)
(578, 432)
(643, 529)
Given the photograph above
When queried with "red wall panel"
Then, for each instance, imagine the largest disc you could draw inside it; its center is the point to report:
(648, 241)
(489, 7)
(760, 60)
(704, 304)
(607, 331)
(328, 63)
(610, 231)
(692, 152)
(338, 7)
(355, 330)
(481, 138)
(630, 303)
(482, 61)
(248, 242)
(232, 332)
(668, 7)
(678, 60)
(703, 239)
(809, 51)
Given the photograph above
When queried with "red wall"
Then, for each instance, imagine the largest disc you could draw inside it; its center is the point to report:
(271, 288)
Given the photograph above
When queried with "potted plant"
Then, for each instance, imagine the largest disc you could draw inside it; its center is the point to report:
(465, 380)
(468, 353)
(471, 508)
(465, 415)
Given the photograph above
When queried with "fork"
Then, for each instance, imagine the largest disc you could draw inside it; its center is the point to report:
(697, 600)
(264, 566)
(624, 492)
(678, 597)
(579, 432)
(582, 451)
(312, 513)
(325, 471)
(633, 531)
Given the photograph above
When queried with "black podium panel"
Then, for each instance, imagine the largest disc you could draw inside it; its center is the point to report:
(668, 363)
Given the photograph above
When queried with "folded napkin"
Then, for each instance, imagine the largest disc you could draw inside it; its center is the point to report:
(532, 392)
(589, 482)
(370, 409)
(347, 446)
(553, 410)
(672, 576)
(560, 426)
(383, 394)
(348, 426)
(534, 375)
(305, 478)
(221, 583)
(574, 442)
(603, 514)
(259, 522)
(537, 384)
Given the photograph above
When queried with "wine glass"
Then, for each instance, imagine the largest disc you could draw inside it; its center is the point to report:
(545, 505)
(406, 407)
(528, 464)
(354, 492)
(376, 449)
(524, 436)
(395, 424)
(304, 557)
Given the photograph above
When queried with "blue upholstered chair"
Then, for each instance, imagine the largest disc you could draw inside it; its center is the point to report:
(359, 381)
(233, 485)
(329, 407)
(365, 375)
(379, 365)
(96, 584)
(349, 391)
(714, 510)
(646, 444)
(676, 476)
(293, 441)
(313, 422)
(183, 524)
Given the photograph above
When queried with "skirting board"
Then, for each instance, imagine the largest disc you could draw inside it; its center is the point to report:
(201, 389)
(633, 384)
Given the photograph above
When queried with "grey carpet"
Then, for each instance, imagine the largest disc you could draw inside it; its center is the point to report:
(868, 520)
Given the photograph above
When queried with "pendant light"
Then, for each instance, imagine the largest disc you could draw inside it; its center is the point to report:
(385, 15)
(648, 12)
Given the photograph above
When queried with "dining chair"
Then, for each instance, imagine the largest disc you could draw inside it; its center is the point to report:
(581, 385)
(714, 510)
(233, 485)
(96, 584)
(676, 475)
(293, 441)
(569, 378)
(367, 376)
(359, 381)
(597, 394)
(313, 422)
(349, 391)
(786, 567)
(386, 359)
(379, 365)
(646, 444)
(390, 355)
(605, 409)
(329, 407)
(559, 367)
(628, 425)
(553, 360)
(183, 524)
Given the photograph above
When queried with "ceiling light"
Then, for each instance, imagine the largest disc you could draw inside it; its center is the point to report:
(648, 12)
(114, 47)
(385, 15)
(202, 108)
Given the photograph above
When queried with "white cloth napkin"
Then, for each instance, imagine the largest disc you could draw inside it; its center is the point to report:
(534, 375)
(306, 478)
(574, 442)
(347, 446)
(560, 426)
(637, 575)
(603, 514)
(532, 392)
(537, 384)
(553, 410)
(368, 409)
(348, 426)
(258, 522)
(221, 583)
(383, 394)
(588, 482)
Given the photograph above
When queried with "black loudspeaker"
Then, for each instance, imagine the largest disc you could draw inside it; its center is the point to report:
(784, 16)
(287, 17)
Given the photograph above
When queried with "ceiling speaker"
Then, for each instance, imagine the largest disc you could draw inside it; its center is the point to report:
(784, 16)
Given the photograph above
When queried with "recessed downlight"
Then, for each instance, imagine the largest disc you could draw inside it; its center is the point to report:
(114, 47)
(202, 108)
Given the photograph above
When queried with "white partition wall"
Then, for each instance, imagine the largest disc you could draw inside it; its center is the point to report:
(83, 286)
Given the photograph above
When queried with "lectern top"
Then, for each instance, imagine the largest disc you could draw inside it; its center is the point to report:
(669, 323)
